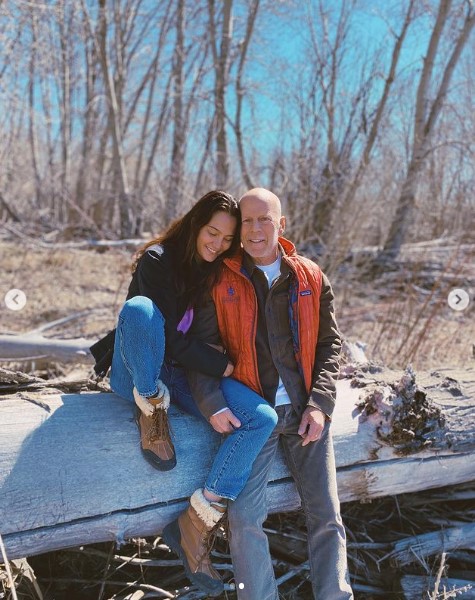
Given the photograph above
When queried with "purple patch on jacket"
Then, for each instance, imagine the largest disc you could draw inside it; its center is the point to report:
(186, 321)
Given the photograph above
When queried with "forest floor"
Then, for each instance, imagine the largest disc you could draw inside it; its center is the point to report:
(401, 319)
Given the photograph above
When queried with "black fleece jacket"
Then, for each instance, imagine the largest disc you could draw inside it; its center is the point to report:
(153, 278)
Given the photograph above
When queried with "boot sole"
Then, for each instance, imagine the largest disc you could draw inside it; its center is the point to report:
(152, 458)
(172, 537)
(157, 463)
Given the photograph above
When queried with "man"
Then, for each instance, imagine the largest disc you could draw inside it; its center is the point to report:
(274, 313)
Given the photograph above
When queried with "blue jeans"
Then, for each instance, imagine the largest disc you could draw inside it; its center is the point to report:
(314, 472)
(138, 361)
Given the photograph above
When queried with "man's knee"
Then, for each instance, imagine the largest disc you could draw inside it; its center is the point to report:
(324, 516)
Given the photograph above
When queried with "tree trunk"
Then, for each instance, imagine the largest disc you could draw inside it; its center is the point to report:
(175, 188)
(251, 20)
(221, 69)
(32, 113)
(426, 116)
(65, 106)
(100, 39)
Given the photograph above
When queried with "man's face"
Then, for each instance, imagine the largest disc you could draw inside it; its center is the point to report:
(262, 224)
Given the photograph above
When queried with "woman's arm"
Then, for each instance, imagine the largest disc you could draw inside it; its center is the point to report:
(153, 279)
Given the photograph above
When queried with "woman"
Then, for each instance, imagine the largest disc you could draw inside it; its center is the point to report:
(151, 352)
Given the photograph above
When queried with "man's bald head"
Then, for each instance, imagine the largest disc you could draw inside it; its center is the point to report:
(264, 195)
(262, 223)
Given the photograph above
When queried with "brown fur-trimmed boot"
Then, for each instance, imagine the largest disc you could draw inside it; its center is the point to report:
(155, 439)
(191, 536)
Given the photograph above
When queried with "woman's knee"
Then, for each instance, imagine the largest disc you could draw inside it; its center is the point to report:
(140, 309)
(261, 417)
(266, 416)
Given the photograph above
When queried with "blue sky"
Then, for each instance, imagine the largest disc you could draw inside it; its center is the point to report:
(368, 33)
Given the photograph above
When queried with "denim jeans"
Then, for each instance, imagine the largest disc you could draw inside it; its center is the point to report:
(138, 360)
(313, 469)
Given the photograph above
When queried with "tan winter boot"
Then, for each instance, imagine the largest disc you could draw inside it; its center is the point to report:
(155, 439)
(191, 537)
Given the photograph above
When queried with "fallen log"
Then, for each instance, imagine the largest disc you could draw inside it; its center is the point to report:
(30, 347)
(416, 587)
(34, 346)
(71, 471)
(419, 547)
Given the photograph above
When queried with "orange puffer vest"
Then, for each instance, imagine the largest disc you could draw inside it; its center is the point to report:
(236, 308)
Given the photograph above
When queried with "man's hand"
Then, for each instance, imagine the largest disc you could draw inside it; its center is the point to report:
(225, 421)
(311, 425)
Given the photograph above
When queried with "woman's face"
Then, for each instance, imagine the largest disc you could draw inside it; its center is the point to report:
(216, 236)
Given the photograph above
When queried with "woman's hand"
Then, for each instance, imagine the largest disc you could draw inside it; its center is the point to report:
(229, 370)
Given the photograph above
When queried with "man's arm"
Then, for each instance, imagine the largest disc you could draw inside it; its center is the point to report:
(327, 353)
(322, 397)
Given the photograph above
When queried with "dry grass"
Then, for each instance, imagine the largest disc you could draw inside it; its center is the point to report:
(401, 323)
(61, 282)
(403, 317)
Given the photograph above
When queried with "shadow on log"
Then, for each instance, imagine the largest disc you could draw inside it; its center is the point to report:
(71, 470)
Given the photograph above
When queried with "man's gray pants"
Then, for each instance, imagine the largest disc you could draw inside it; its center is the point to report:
(314, 472)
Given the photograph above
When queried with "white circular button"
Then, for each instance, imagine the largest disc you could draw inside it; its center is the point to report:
(15, 299)
(458, 299)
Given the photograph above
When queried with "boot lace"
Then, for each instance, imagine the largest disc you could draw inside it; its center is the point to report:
(220, 530)
(160, 429)
(208, 539)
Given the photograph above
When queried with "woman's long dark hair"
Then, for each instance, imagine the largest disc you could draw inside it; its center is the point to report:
(193, 278)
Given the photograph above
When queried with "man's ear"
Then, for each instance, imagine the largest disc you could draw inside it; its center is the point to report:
(281, 225)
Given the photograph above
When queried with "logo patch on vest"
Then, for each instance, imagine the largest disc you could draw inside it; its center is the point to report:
(306, 293)
(231, 296)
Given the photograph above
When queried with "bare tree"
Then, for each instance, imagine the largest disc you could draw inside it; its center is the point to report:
(100, 39)
(240, 89)
(178, 150)
(32, 110)
(427, 112)
(65, 18)
(221, 59)
(89, 119)
(115, 114)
